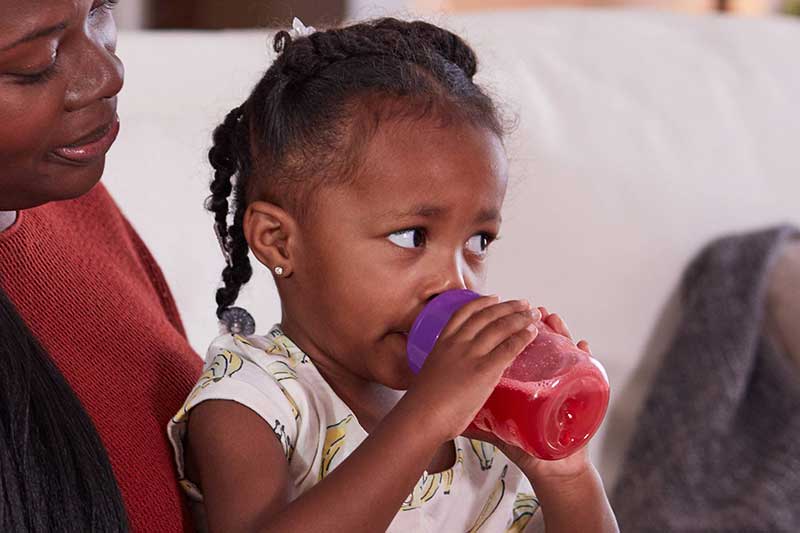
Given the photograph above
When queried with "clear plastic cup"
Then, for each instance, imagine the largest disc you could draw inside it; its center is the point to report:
(549, 402)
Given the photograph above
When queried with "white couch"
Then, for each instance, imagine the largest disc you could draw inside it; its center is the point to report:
(642, 136)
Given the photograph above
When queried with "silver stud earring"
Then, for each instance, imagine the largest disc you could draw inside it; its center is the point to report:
(278, 270)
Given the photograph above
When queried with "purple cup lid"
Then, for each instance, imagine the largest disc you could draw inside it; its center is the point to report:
(431, 321)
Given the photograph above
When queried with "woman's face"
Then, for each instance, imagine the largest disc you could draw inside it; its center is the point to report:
(59, 78)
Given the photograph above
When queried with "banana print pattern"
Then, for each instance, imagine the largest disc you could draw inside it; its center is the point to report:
(484, 451)
(482, 493)
(522, 512)
(429, 485)
(283, 344)
(224, 365)
(282, 372)
(334, 440)
(492, 503)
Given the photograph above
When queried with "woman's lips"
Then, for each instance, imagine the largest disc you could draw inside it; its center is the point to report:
(96, 146)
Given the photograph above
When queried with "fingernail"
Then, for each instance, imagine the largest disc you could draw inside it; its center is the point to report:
(536, 314)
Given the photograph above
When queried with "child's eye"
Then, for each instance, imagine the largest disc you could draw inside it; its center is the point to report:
(478, 244)
(408, 238)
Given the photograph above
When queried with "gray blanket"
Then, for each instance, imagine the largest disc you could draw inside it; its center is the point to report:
(717, 446)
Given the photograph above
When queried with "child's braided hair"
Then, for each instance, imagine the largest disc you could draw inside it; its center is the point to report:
(314, 110)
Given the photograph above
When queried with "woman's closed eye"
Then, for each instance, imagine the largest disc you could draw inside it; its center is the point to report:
(104, 4)
(46, 73)
(40, 75)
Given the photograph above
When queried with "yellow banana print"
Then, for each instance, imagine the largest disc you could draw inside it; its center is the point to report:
(281, 370)
(424, 490)
(525, 505)
(492, 503)
(334, 440)
(243, 340)
(429, 485)
(286, 346)
(484, 451)
(224, 364)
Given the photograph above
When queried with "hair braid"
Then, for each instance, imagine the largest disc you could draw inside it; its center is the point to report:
(229, 161)
(412, 42)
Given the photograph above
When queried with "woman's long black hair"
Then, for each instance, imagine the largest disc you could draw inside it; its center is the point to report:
(308, 119)
(54, 471)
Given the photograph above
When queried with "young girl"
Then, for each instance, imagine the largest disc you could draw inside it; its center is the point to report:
(368, 175)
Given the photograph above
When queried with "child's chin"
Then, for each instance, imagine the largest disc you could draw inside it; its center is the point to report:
(394, 371)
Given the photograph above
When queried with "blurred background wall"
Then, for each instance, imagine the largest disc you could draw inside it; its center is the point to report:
(219, 14)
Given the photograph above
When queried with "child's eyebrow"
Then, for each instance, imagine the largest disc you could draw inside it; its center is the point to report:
(489, 214)
(422, 210)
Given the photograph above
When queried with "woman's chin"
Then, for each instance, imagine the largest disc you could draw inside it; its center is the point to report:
(75, 181)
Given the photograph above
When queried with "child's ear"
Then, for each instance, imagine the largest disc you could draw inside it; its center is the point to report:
(270, 231)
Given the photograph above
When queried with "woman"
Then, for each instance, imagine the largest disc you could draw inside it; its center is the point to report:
(93, 357)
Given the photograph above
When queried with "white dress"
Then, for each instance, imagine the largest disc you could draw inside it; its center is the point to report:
(483, 491)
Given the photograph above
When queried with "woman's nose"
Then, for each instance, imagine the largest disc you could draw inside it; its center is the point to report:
(99, 75)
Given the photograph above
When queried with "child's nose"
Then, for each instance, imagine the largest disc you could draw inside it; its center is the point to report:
(444, 280)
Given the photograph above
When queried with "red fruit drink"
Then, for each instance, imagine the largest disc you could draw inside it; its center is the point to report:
(550, 401)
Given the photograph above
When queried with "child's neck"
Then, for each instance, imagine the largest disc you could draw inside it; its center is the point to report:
(369, 401)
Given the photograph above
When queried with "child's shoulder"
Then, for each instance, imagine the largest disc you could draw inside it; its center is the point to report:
(256, 366)
(262, 350)
(266, 373)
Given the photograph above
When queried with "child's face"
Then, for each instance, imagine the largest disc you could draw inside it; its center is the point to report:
(416, 222)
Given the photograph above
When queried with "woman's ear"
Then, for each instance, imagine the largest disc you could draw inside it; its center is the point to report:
(271, 233)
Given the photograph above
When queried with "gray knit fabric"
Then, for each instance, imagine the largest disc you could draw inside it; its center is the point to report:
(717, 446)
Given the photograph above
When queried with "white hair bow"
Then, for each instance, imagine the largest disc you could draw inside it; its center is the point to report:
(300, 30)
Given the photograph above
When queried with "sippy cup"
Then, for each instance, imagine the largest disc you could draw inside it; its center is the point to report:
(549, 402)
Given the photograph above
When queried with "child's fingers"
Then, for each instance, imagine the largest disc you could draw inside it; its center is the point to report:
(493, 334)
(583, 345)
(466, 312)
(505, 352)
(558, 324)
(488, 315)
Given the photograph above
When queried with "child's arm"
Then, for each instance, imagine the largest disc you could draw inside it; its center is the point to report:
(569, 490)
(574, 501)
(243, 473)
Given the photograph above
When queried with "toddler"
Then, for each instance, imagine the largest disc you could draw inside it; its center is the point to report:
(366, 171)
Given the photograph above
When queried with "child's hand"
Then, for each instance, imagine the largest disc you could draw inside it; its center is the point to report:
(570, 490)
(479, 342)
(534, 468)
